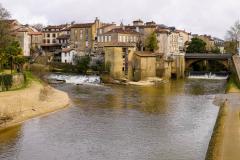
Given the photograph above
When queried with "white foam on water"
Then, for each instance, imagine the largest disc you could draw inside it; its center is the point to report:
(76, 79)
(208, 76)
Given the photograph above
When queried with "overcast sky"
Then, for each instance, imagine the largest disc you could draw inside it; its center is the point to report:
(197, 16)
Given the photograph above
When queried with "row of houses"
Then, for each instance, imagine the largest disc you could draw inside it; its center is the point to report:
(123, 46)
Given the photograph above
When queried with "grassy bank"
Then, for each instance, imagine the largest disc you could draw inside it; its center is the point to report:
(215, 145)
(232, 85)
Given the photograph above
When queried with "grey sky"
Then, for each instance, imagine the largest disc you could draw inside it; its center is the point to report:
(197, 16)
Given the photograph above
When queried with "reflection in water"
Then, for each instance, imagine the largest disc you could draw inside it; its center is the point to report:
(8, 141)
(165, 122)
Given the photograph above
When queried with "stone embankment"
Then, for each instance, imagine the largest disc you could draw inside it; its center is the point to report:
(35, 100)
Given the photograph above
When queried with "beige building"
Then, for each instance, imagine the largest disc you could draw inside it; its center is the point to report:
(144, 30)
(118, 58)
(24, 35)
(83, 36)
(208, 40)
(171, 41)
(36, 39)
(147, 64)
(117, 35)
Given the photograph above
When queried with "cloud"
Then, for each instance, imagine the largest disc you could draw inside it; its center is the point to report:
(205, 17)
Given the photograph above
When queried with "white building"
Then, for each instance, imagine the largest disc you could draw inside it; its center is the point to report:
(67, 55)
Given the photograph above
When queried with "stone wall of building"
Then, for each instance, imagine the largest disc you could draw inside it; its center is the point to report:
(114, 57)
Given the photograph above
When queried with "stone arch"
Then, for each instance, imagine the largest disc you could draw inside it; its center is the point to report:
(192, 61)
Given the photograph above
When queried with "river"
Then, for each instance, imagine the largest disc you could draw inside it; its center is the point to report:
(172, 121)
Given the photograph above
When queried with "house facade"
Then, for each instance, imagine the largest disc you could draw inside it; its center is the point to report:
(119, 59)
(83, 36)
(68, 55)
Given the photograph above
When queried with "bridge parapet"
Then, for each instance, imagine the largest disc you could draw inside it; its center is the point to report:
(208, 56)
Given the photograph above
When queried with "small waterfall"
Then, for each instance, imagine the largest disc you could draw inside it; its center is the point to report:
(208, 75)
(75, 79)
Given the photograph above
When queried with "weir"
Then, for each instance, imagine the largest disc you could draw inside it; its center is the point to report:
(208, 75)
(75, 79)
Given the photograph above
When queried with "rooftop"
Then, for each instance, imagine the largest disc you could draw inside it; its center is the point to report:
(147, 54)
(82, 25)
(122, 31)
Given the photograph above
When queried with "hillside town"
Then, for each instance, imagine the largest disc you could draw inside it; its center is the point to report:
(127, 50)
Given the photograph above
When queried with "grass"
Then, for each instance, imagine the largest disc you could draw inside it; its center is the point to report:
(232, 85)
(7, 71)
(215, 144)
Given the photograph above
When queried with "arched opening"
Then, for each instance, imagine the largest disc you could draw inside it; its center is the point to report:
(208, 66)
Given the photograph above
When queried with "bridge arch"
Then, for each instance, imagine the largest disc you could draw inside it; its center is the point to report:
(189, 63)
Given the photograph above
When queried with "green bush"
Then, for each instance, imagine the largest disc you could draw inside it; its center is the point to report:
(6, 81)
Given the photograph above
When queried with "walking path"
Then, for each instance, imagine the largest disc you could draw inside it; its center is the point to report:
(231, 134)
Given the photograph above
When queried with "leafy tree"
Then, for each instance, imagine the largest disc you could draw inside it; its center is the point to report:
(151, 42)
(20, 60)
(5, 36)
(196, 46)
(215, 50)
(82, 64)
(99, 66)
(12, 51)
(230, 47)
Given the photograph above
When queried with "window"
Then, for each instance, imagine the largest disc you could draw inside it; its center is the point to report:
(48, 35)
(81, 34)
(106, 38)
(127, 39)
(131, 39)
(101, 38)
(120, 39)
(54, 35)
(53, 41)
(48, 41)
(135, 39)
(124, 39)
(44, 41)
(98, 38)
(123, 69)
(109, 38)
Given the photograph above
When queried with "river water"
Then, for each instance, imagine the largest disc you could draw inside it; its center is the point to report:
(172, 121)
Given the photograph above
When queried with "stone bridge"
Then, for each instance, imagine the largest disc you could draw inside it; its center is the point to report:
(191, 58)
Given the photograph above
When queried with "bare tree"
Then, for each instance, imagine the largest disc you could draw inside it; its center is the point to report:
(233, 34)
(4, 14)
(38, 26)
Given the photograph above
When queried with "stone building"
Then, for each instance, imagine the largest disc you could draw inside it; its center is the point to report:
(24, 34)
(208, 40)
(147, 64)
(144, 30)
(117, 35)
(118, 59)
(83, 36)
(50, 34)
(67, 55)
(36, 39)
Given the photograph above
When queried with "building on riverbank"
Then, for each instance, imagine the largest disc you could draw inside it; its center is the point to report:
(118, 59)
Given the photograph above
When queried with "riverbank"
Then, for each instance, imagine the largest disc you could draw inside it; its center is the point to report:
(34, 100)
(225, 141)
